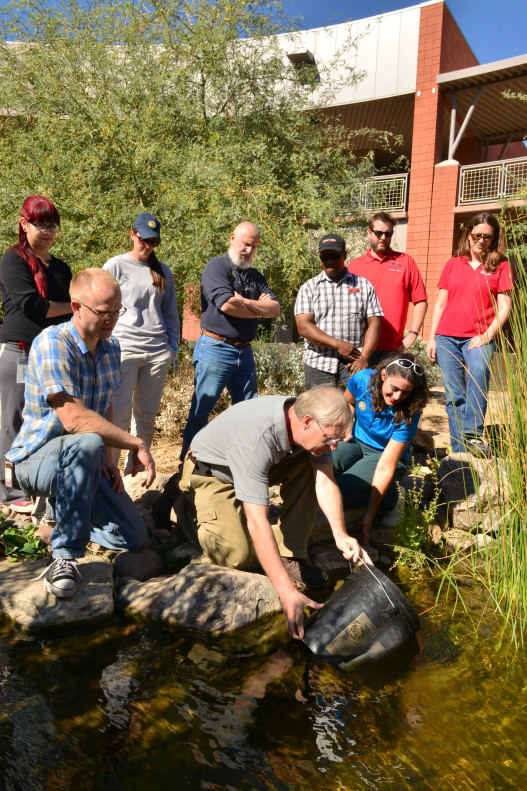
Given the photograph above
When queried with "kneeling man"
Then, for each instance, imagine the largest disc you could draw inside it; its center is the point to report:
(224, 500)
(63, 447)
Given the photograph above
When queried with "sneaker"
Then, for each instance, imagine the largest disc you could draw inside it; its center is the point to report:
(21, 506)
(304, 573)
(478, 447)
(60, 577)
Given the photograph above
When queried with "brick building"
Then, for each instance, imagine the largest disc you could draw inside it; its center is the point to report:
(462, 137)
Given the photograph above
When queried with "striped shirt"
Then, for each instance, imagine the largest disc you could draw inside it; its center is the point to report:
(60, 362)
(340, 310)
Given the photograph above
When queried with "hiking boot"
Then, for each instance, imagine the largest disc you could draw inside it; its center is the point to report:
(60, 577)
(478, 447)
(304, 573)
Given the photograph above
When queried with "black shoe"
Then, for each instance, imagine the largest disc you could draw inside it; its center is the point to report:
(304, 573)
(60, 577)
(478, 447)
(162, 507)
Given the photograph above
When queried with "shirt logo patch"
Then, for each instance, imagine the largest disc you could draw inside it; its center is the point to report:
(353, 290)
(362, 405)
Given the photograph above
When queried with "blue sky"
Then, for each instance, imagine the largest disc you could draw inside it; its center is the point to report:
(494, 30)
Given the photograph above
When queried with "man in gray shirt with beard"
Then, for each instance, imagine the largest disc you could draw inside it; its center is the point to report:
(233, 297)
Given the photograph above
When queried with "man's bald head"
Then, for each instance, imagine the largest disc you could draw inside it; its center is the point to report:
(88, 280)
(244, 240)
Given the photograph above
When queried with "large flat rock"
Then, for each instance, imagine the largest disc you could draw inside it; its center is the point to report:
(27, 602)
(203, 597)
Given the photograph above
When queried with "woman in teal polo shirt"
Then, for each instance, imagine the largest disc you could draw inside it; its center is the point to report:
(386, 404)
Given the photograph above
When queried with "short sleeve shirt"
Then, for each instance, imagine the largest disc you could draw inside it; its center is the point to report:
(472, 293)
(397, 281)
(340, 309)
(60, 362)
(221, 279)
(242, 444)
(376, 429)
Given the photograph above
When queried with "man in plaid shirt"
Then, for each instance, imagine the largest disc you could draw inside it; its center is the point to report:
(63, 447)
(339, 316)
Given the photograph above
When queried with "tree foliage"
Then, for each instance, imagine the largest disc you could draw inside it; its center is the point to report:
(185, 108)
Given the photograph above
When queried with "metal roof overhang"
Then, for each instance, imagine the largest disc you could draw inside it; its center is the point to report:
(494, 119)
(394, 114)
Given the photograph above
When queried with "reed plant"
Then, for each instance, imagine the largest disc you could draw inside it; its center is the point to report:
(499, 562)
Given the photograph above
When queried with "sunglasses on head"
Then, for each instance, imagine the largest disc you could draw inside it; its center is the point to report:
(380, 234)
(403, 362)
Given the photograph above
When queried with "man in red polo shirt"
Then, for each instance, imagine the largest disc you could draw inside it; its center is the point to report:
(397, 282)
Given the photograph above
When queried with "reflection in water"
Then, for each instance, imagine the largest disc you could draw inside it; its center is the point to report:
(136, 707)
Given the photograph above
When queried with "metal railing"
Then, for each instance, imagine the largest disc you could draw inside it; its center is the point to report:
(385, 193)
(492, 181)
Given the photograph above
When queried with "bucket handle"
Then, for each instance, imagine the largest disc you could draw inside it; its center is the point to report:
(378, 583)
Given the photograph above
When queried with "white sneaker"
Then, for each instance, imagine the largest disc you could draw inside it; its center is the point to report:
(60, 577)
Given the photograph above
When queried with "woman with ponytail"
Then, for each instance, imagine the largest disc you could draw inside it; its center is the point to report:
(148, 331)
(34, 286)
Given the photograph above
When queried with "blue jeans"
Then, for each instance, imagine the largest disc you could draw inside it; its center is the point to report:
(466, 375)
(218, 365)
(86, 507)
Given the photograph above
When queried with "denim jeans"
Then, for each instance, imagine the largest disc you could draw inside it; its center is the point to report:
(68, 468)
(218, 365)
(354, 465)
(466, 375)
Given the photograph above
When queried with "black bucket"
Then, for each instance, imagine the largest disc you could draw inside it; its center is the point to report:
(366, 619)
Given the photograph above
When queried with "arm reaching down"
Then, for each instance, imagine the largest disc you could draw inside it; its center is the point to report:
(293, 602)
(78, 419)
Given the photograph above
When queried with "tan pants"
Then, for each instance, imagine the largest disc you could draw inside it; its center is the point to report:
(207, 510)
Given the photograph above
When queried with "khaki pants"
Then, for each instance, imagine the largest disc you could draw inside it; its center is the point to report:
(207, 510)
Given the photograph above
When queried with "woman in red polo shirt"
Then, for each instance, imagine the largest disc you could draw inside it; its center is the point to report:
(474, 302)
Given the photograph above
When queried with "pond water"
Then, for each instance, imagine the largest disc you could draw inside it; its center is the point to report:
(131, 706)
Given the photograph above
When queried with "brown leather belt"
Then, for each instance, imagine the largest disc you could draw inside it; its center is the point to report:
(230, 341)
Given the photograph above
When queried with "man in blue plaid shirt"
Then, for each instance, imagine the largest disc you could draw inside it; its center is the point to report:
(339, 316)
(63, 447)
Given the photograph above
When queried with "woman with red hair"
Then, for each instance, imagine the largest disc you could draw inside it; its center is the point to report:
(34, 286)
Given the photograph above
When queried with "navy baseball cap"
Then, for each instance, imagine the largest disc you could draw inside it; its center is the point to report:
(147, 226)
(332, 241)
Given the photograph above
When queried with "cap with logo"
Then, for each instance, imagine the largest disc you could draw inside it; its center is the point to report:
(148, 226)
(332, 241)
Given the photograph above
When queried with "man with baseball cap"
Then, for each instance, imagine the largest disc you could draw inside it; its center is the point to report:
(338, 314)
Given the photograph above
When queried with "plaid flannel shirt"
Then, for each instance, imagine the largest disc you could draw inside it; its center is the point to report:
(60, 362)
(340, 310)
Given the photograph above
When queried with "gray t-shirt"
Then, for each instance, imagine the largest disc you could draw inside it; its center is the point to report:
(244, 442)
(151, 320)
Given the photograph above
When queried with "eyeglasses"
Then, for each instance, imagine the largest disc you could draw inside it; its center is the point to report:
(149, 242)
(103, 314)
(42, 226)
(380, 234)
(330, 257)
(486, 237)
(403, 362)
(327, 439)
